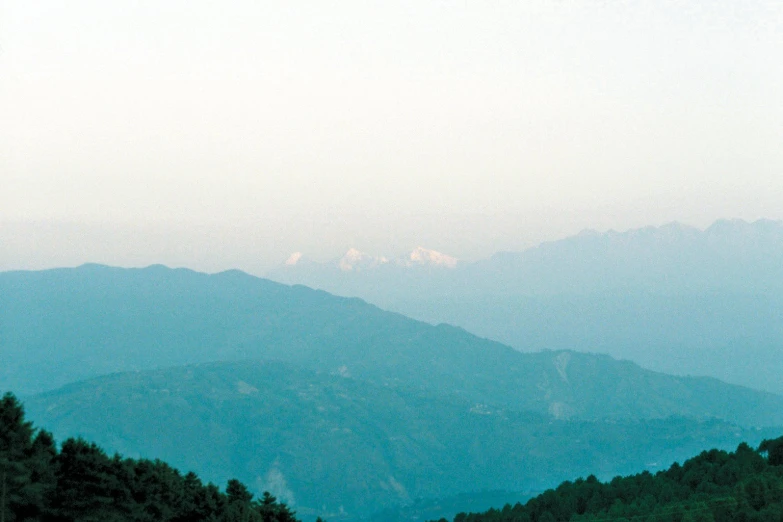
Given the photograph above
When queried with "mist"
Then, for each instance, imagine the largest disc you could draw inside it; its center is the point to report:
(187, 134)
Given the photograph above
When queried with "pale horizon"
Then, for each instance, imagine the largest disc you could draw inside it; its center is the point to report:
(184, 134)
(38, 246)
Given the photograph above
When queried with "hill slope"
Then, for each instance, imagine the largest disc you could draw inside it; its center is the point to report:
(344, 448)
(63, 325)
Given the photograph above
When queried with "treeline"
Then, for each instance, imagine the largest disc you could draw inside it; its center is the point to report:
(716, 486)
(80, 482)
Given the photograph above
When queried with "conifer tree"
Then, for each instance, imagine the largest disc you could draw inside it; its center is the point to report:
(15, 449)
(80, 482)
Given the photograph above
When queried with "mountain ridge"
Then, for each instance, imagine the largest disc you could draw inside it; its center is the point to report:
(675, 298)
(336, 446)
(66, 325)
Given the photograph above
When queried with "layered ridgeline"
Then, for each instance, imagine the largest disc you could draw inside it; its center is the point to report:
(60, 326)
(674, 299)
(715, 486)
(333, 404)
(343, 448)
(78, 481)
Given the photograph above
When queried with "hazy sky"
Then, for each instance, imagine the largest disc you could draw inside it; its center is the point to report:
(217, 134)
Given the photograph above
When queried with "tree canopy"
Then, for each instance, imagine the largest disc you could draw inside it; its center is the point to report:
(79, 481)
(716, 486)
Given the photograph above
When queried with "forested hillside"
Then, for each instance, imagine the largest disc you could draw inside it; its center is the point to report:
(79, 482)
(340, 447)
(716, 486)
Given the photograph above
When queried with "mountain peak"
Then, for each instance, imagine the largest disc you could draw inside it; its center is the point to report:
(739, 226)
(293, 259)
(425, 257)
(355, 259)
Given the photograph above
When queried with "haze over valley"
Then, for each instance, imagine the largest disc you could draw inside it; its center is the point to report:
(673, 298)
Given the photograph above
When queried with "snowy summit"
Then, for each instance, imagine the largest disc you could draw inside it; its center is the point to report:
(425, 257)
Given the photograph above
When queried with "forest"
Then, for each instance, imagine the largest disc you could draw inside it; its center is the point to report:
(40, 481)
(716, 486)
(77, 480)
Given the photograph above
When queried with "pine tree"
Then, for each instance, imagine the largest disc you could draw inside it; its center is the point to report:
(89, 485)
(15, 447)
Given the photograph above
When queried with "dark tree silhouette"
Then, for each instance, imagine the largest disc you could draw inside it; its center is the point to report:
(716, 486)
(80, 482)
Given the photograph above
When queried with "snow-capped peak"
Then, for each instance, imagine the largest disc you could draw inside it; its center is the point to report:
(423, 256)
(293, 259)
(357, 260)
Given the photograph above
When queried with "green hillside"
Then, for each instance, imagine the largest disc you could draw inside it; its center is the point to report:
(345, 448)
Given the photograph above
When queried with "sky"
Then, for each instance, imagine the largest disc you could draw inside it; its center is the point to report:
(222, 135)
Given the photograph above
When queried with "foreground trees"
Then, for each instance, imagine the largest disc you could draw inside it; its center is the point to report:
(716, 486)
(81, 482)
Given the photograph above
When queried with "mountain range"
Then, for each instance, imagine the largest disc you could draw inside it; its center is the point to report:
(60, 326)
(673, 298)
(355, 260)
(340, 407)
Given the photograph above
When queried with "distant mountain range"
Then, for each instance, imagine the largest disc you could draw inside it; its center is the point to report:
(674, 298)
(332, 402)
(357, 261)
